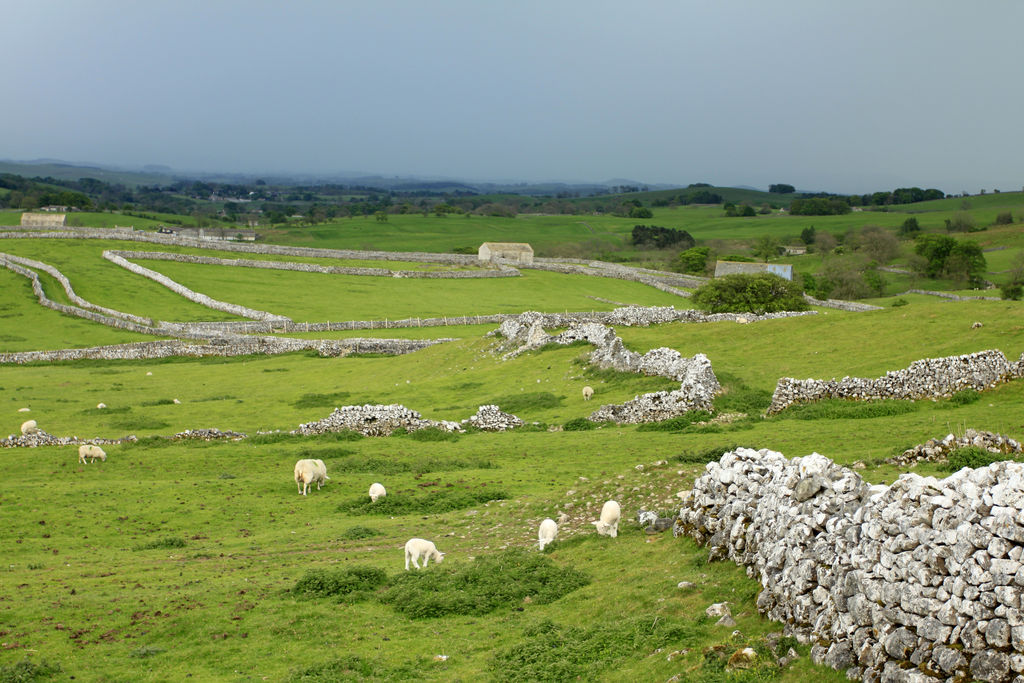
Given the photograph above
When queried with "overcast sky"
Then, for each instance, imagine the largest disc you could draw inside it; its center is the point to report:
(841, 96)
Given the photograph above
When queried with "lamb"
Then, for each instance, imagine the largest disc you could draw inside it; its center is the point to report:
(308, 471)
(415, 548)
(608, 525)
(547, 532)
(92, 452)
(29, 427)
(101, 406)
(588, 393)
(377, 491)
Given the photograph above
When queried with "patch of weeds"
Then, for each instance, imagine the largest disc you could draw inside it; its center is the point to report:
(529, 400)
(352, 583)
(165, 543)
(373, 465)
(276, 369)
(321, 400)
(353, 668)
(715, 665)
(555, 346)
(549, 652)
(899, 302)
(433, 434)
(973, 457)
(533, 427)
(369, 354)
(465, 386)
(342, 435)
(482, 586)
(146, 651)
(28, 670)
(225, 475)
(703, 456)
(147, 442)
(272, 438)
(120, 410)
(324, 453)
(579, 424)
(357, 533)
(158, 402)
(223, 397)
(738, 397)
(705, 429)
(139, 423)
(837, 408)
(444, 500)
(675, 424)
(965, 397)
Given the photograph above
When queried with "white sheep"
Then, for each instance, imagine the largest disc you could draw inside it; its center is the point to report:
(308, 471)
(415, 548)
(608, 525)
(377, 491)
(101, 406)
(547, 532)
(29, 427)
(588, 393)
(91, 451)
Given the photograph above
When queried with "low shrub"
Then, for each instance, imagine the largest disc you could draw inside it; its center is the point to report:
(162, 544)
(675, 424)
(158, 402)
(703, 456)
(549, 652)
(353, 669)
(840, 409)
(973, 457)
(444, 500)
(965, 397)
(356, 533)
(355, 583)
(482, 586)
(899, 302)
(579, 424)
(434, 434)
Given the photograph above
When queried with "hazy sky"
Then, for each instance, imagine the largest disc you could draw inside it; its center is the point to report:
(846, 96)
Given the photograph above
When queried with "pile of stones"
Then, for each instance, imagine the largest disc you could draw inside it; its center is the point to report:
(917, 581)
(930, 378)
(938, 450)
(374, 420)
(211, 434)
(490, 418)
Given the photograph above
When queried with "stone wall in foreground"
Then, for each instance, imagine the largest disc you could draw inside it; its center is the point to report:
(918, 581)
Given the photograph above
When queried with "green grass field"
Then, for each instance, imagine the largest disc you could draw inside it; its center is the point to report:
(179, 559)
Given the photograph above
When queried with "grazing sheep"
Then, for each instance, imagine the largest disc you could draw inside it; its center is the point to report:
(608, 525)
(101, 406)
(92, 452)
(29, 427)
(588, 393)
(547, 532)
(308, 471)
(24, 410)
(377, 491)
(415, 548)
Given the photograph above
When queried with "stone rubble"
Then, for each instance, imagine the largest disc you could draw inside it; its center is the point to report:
(938, 450)
(490, 418)
(374, 420)
(918, 581)
(696, 392)
(930, 378)
(41, 438)
(211, 434)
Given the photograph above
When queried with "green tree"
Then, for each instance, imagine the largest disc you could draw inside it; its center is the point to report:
(935, 250)
(966, 263)
(640, 212)
(766, 247)
(381, 216)
(910, 227)
(693, 260)
(781, 188)
(760, 293)
(807, 235)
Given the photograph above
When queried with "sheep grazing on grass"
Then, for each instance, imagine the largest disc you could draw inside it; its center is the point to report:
(309, 471)
(101, 406)
(377, 491)
(415, 548)
(24, 410)
(92, 452)
(29, 427)
(608, 525)
(547, 532)
(588, 393)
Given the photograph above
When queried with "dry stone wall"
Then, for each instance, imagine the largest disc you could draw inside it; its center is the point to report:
(929, 378)
(917, 581)
(938, 450)
(383, 420)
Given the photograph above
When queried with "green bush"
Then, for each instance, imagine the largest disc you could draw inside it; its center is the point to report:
(1004, 218)
(340, 582)
(357, 533)
(899, 302)
(28, 670)
(704, 456)
(549, 652)
(162, 544)
(675, 424)
(355, 669)
(579, 424)
(973, 457)
(444, 500)
(1012, 291)
(965, 397)
(840, 409)
(488, 583)
(760, 293)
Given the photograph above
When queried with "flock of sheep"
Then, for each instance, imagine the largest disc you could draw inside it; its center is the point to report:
(308, 471)
(87, 452)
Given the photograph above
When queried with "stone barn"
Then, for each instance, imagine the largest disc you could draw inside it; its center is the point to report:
(43, 220)
(515, 252)
(783, 270)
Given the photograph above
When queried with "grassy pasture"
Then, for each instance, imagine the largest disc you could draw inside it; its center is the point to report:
(179, 558)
